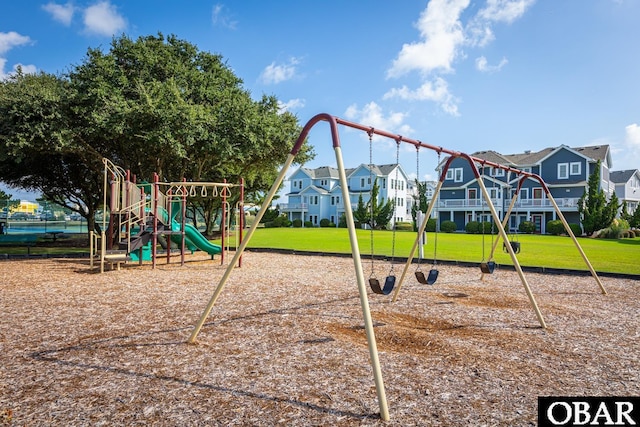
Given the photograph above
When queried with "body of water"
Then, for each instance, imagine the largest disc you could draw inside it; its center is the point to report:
(42, 227)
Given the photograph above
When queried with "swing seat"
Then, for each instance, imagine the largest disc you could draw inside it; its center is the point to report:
(432, 277)
(488, 267)
(429, 279)
(389, 284)
(515, 246)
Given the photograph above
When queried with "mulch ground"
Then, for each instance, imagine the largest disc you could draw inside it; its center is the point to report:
(285, 344)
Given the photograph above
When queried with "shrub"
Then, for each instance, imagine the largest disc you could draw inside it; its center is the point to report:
(297, 223)
(404, 226)
(431, 225)
(577, 230)
(448, 226)
(324, 222)
(527, 227)
(308, 224)
(555, 227)
(472, 227)
(342, 223)
(486, 227)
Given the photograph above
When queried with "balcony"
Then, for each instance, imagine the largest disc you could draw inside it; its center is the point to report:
(541, 204)
(293, 207)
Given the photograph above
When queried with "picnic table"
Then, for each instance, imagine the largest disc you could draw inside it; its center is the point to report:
(54, 234)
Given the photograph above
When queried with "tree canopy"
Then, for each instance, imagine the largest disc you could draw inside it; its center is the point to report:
(154, 104)
(596, 213)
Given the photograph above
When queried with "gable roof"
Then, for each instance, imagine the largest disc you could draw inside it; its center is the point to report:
(622, 177)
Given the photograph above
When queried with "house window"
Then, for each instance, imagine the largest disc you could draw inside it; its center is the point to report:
(575, 168)
(563, 170)
(335, 200)
(362, 181)
(449, 174)
(498, 172)
(457, 175)
(313, 200)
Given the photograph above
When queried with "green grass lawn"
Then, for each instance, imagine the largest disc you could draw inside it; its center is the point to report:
(614, 256)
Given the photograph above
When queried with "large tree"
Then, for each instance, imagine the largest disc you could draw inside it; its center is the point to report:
(154, 104)
(596, 212)
(376, 213)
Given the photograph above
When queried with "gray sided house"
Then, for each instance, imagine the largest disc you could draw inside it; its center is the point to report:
(565, 171)
(627, 187)
(315, 194)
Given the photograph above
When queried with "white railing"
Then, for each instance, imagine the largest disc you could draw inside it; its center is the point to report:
(288, 207)
(564, 202)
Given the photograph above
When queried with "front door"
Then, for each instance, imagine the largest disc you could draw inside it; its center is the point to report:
(537, 220)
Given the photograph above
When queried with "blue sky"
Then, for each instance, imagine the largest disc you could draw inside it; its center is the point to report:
(468, 75)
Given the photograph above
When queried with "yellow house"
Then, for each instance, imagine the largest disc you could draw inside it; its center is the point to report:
(26, 207)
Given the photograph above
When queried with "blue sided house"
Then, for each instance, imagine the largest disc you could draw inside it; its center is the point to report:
(565, 170)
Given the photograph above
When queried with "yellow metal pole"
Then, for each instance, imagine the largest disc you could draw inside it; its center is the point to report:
(423, 226)
(575, 241)
(516, 264)
(238, 254)
(362, 289)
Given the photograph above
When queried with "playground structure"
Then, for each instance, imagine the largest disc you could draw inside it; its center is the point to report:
(141, 216)
(361, 283)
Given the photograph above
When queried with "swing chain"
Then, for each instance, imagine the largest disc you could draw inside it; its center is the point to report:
(370, 132)
(434, 199)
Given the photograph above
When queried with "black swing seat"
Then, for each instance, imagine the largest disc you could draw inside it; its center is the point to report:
(515, 246)
(488, 267)
(389, 284)
(430, 279)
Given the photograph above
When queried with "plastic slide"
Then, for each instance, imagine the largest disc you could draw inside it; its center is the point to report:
(193, 238)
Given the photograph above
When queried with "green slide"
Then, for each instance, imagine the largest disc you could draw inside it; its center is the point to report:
(193, 238)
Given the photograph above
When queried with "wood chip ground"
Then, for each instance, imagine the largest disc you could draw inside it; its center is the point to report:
(285, 345)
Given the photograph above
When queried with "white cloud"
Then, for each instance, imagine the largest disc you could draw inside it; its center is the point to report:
(504, 10)
(220, 17)
(274, 74)
(103, 19)
(26, 69)
(372, 115)
(10, 40)
(292, 104)
(483, 65)
(61, 13)
(7, 42)
(632, 144)
(436, 91)
(443, 36)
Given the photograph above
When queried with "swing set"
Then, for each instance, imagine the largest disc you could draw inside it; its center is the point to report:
(333, 123)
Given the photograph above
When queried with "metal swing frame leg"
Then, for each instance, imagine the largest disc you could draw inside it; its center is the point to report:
(421, 230)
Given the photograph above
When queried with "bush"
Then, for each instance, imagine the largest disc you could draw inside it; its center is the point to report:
(404, 226)
(297, 223)
(448, 226)
(308, 224)
(431, 225)
(555, 227)
(486, 227)
(324, 222)
(342, 223)
(527, 227)
(472, 227)
(577, 230)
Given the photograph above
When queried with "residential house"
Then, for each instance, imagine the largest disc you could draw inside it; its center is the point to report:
(316, 194)
(627, 187)
(565, 171)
